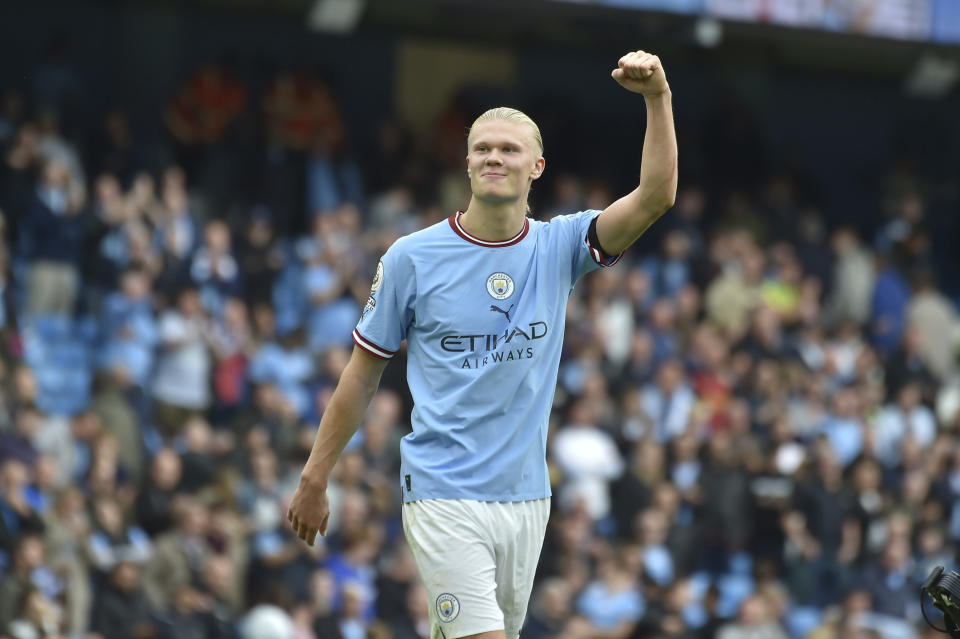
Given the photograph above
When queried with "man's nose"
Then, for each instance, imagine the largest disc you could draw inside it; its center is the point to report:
(494, 158)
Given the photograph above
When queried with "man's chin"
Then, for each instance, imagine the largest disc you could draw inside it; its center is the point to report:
(495, 199)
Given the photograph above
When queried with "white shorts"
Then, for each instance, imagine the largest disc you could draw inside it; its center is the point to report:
(477, 561)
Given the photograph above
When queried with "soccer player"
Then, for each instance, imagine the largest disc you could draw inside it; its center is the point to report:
(480, 299)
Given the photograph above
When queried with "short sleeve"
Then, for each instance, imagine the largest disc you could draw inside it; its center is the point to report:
(581, 233)
(389, 310)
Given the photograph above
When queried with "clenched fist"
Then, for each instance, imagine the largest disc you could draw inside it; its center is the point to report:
(642, 73)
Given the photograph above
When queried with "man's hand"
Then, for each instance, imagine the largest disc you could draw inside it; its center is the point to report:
(309, 511)
(642, 73)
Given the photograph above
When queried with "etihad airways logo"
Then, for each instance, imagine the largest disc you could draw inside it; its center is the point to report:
(489, 342)
(485, 349)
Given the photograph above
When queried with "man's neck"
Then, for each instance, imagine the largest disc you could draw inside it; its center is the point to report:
(493, 223)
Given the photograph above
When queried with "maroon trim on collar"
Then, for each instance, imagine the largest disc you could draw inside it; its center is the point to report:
(459, 230)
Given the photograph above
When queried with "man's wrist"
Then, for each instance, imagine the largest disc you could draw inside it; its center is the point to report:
(313, 478)
(662, 96)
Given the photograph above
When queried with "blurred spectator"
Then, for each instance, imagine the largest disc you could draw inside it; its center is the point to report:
(890, 582)
(18, 442)
(287, 364)
(736, 292)
(121, 609)
(352, 569)
(54, 229)
(755, 621)
(726, 503)
(181, 381)
(258, 255)
(853, 277)
(549, 610)
(155, 501)
(214, 270)
(781, 290)
(130, 330)
(908, 365)
(352, 622)
(105, 248)
(219, 583)
(333, 178)
(112, 540)
(178, 559)
(189, 616)
(328, 279)
(613, 602)
(322, 589)
(39, 617)
(937, 321)
(589, 459)
(261, 497)
(672, 271)
(199, 456)
(417, 622)
(668, 403)
(175, 234)
(18, 583)
(382, 432)
(651, 535)
(633, 490)
(66, 534)
(907, 419)
(888, 307)
(54, 147)
(18, 516)
(843, 428)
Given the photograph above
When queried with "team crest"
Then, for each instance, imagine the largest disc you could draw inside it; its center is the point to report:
(500, 286)
(448, 607)
(377, 278)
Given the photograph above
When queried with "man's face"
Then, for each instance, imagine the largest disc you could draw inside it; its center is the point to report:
(502, 159)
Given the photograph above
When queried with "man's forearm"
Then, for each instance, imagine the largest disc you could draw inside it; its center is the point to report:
(626, 219)
(658, 169)
(340, 421)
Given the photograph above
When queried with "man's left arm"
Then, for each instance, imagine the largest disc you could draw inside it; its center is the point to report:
(625, 220)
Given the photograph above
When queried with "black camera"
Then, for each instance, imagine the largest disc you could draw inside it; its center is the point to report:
(944, 591)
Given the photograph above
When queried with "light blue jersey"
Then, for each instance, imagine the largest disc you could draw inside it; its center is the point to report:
(484, 328)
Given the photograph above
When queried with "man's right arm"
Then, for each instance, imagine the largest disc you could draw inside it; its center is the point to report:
(309, 509)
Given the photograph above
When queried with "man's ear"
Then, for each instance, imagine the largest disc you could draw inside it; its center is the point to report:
(538, 168)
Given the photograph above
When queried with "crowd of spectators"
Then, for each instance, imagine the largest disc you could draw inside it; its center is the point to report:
(756, 430)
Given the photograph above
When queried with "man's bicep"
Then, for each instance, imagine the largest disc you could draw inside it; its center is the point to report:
(366, 367)
(621, 223)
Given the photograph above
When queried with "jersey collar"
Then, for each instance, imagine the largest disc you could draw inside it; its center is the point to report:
(459, 230)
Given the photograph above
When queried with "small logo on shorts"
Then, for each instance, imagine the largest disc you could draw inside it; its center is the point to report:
(448, 607)
(500, 286)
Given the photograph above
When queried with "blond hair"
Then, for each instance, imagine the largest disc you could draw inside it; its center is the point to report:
(510, 115)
